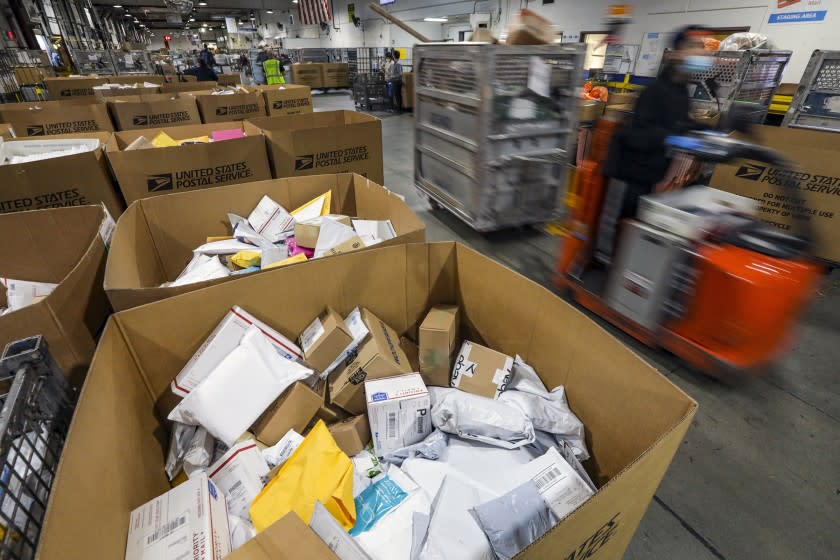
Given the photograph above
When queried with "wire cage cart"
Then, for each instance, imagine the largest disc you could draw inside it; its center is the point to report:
(37, 408)
(93, 62)
(132, 62)
(488, 147)
(747, 79)
(370, 92)
(22, 72)
(816, 104)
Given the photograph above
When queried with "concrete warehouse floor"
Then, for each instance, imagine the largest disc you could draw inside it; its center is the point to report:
(758, 476)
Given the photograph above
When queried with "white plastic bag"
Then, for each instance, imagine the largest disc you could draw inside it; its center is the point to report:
(474, 417)
(241, 531)
(198, 456)
(239, 389)
(433, 447)
(746, 41)
(280, 452)
(551, 415)
(200, 268)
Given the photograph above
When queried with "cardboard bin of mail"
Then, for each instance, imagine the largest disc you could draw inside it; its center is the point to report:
(198, 164)
(635, 418)
(156, 237)
(79, 178)
(65, 247)
(48, 118)
(154, 112)
(327, 142)
(287, 99)
(80, 86)
(215, 107)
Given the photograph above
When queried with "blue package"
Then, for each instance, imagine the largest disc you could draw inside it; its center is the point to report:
(248, 270)
(374, 502)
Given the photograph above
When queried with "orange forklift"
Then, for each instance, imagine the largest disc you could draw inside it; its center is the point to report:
(696, 272)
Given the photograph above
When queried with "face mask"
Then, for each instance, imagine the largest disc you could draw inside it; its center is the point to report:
(697, 63)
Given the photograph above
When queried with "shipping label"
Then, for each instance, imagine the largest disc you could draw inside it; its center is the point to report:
(67, 127)
(332, 158)
(201, 177)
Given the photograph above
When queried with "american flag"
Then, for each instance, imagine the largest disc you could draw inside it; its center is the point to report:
(313, 12)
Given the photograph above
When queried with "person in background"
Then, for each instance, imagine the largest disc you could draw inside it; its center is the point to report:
(273, 71)
(202, 73)
(396, 83)
(637, 159)
(244, 64)
(387, 68)
(207, 57)
(259, 74)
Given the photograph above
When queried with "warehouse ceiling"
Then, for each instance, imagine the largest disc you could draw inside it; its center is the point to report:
(155, 15)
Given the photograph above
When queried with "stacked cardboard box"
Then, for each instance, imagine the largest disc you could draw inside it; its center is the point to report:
(139, 356)
(336, 74)
(288, 99)
(159, 171)
(153, 111)
(155, 237)
(230, 107)
(64, 246)
(311, 75)
(327, 142)
(408, 90)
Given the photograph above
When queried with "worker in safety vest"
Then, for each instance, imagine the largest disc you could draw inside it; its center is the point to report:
(273, 71)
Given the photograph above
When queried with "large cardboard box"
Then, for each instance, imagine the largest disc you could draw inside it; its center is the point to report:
(159, 171)
(137, 79)
(48, 118)
(233, 107)
(309, 74)
(177, 87)
(812, 190)
(59, 88)
(328, 142)
(635, 418)
(156, 237)
(74, 180)
(408, 90)
(336, 74)
(288, 99)
(169, 111)
(229, 79)
(61, 246)
(293, 410)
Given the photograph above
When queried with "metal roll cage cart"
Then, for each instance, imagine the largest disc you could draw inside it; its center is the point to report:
(816, 104)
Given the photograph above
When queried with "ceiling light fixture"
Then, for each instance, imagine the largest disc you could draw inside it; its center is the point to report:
(436, 19)
(192, 19)
(202, 3)
(269, 11)
(118, 5)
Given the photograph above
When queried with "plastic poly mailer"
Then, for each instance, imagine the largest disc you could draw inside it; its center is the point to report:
(317, 471)
(280, 452)
(239, 389)
(198, 456)
(515, 520)
(179, 443)
(374, 502)
(433, 447)
(479, 418)
(200, 268)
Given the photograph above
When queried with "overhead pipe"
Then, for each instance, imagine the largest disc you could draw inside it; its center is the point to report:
(399, 23)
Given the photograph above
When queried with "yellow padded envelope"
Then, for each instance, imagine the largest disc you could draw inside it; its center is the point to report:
(317, 471)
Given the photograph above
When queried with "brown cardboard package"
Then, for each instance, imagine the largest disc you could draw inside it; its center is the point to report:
(62, 246)
(148, 173)
(306, 233)
(6, 132)
(336, 74)
(328, 142)
(408, 90)
(412, 352)
(191, 85)
(288, 99)
(351, 435)
(480, 370)
(812, 190)
(169, 111)
(438, 341)
(229, 79)
(234, 107)
(309, 74)
(48, 118)
(73, 180)
(324, 339)
(635, 418)
(379, 356)
(294, 410)
(590, 110)
(137, 79)
(59, 88)
(155, 240)
(622, 98)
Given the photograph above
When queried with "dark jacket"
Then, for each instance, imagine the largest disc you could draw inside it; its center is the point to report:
(208, 58)
(637, 152)
(202, 74)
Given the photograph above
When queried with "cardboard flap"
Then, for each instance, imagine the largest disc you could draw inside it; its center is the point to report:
(311, 120)
(286, 539)
(126, 137)
(133, 257)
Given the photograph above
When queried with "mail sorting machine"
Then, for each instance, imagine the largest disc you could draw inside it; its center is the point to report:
(37, 406)
(495, 128)
(816, 104)
(743, 79)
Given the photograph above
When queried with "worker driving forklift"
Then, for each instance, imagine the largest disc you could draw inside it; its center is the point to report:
(694, 271)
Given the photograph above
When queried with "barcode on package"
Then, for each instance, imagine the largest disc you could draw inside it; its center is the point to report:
(420, 430)
(166, 529)
(547, 478)
(391, 432)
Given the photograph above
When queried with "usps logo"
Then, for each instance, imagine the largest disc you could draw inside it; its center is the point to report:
(140, 120)
(221, 111)
(160, 182)
(302, 163)
(277, 105)
(380, 396)
(35, 130)
(750, 172)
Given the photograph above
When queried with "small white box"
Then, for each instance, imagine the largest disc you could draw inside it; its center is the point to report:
(238, 473)
(221, 342)
(189, 521)
(399, 411)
